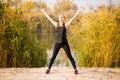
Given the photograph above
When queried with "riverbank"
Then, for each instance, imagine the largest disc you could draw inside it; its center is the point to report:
(59, 73)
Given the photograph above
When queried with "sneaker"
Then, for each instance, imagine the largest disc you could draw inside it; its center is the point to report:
(47, 71)
(76, 71)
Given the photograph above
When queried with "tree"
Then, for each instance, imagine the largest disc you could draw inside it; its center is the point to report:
(27, 6)
(64, 5)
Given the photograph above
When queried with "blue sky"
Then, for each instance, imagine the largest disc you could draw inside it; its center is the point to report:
(82, 3)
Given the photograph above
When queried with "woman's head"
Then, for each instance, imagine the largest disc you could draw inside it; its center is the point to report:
(61, 18)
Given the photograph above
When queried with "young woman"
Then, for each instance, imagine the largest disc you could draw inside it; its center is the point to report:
(61, 39)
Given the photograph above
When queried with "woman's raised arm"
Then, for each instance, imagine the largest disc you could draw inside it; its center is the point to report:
(48, 17)
(69, 22)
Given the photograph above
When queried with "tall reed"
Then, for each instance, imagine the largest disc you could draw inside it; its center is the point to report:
(96, 38)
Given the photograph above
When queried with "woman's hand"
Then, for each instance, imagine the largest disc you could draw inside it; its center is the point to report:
(81, 9)
(48, 17)
(42, 10)
(68, 23)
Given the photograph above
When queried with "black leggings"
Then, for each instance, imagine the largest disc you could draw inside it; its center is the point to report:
(66, 47)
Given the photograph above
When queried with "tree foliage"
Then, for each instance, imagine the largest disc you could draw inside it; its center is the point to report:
(64, 5)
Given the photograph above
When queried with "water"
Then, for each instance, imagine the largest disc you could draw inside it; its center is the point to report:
(61, 59)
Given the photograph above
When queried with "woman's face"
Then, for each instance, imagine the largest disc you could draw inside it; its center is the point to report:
(61, 18)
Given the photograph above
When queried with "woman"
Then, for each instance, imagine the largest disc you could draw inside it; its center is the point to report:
(61, 40)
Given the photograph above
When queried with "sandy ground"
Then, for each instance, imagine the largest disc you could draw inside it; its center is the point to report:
(59, 73)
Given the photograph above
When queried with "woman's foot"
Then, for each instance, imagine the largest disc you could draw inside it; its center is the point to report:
(47, 71)
(76, 71)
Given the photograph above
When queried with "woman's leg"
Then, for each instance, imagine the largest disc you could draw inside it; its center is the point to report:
(57, 47)
(67, 50)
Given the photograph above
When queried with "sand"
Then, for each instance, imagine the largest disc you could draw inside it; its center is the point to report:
(59, 73)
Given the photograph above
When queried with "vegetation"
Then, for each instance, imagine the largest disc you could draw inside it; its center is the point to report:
(96, 38)
(18, 47)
